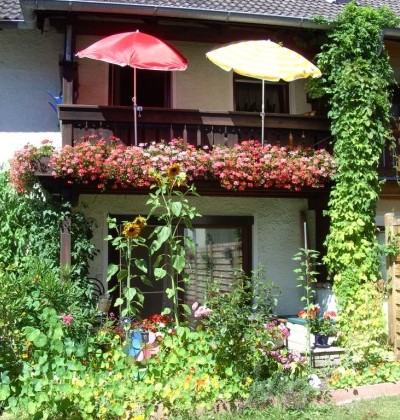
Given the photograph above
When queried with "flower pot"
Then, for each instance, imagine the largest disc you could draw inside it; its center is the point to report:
(104, 304)
(321, 340)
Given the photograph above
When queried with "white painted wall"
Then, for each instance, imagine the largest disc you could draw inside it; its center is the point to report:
(298, 97)
(203, 85)
(276, 233)
(28, 69)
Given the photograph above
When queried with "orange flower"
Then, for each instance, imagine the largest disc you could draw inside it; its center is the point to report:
(200, 383)
(330, 315)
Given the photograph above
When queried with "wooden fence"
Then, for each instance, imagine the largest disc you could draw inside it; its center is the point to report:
(211, 263)
(392, 233)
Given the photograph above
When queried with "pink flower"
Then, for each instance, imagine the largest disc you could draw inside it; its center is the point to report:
(202, 312)
(67, 319)
(245, 166)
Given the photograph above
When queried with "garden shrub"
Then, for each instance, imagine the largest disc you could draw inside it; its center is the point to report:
(40, 316)
(30, 228)
(58, 364)
(245, 330)
(284, 392)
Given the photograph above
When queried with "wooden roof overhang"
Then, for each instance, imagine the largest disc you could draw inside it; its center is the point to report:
(59, 187)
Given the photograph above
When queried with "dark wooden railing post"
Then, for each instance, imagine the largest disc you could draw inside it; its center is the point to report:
(68, 67)
(65, 237)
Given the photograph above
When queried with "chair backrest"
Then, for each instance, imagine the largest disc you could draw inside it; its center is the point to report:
(97, 288)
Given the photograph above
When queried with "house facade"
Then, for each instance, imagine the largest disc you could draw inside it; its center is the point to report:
(48, 93)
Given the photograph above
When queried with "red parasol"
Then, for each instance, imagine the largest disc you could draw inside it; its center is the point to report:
(137, 50)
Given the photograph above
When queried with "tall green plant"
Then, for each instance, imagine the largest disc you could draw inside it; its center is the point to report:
(307, 277)
(127, 240)
(165, 245)
(356, 79)
(170, 205)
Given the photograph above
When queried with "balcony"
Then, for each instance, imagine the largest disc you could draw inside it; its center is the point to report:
(199, 128)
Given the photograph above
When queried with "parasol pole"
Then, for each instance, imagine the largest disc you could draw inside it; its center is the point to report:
(262, 113)
(134, 106)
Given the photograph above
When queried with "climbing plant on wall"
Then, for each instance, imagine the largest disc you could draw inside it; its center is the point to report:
(356, 80)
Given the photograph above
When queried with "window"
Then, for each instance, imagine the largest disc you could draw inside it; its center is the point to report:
(152, 87)
(248, 95)
(396, 102)
(223, 245)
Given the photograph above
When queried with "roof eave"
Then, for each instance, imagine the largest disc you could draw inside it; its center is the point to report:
(173, 12)
(6, 23)
(29, 8)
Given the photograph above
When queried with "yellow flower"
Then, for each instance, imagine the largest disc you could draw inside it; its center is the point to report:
(173, 170)
(131, 230)
(24, 355)
(140, 221)
(103, 410)
(181, 179)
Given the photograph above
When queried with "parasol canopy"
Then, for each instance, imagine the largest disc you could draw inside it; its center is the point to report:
(265, 60)
(139, 51)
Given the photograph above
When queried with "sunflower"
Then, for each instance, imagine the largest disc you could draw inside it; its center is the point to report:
(131, 230)
(173, 170)
(140, 221)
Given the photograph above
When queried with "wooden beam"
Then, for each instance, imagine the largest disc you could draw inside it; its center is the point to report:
(87, 113)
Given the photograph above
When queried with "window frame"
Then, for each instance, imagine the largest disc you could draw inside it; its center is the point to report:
(245, 223)
(283, 93)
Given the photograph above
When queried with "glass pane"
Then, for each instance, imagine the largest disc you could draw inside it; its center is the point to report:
(152, 87)
(217, 256)
(248, 96)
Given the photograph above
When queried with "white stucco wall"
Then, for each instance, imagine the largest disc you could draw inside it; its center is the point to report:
(28, 69)
(203, 85)
(298, 97)
(276, 233)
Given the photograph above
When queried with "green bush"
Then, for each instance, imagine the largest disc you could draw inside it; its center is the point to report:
(30, 228)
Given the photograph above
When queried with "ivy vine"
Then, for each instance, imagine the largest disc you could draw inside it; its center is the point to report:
(356, 81)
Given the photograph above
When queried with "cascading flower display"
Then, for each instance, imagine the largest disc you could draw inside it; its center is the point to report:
(26, 162)
(248, 165)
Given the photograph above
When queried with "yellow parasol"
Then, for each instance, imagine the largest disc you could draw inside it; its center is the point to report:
(265, 60)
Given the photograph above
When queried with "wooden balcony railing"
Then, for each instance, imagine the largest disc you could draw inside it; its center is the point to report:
(199, 128)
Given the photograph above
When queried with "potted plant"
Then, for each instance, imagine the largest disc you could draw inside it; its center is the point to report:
(322, 327)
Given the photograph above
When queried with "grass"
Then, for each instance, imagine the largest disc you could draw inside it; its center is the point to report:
(377, 408)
